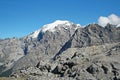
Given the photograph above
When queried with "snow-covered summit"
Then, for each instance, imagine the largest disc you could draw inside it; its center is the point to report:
(53, 26)
(57, 25)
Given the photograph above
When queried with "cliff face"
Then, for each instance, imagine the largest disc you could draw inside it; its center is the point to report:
(65, 51)
(92, 34)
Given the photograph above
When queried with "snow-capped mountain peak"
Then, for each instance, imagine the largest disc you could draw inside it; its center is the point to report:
(52, 26)
(56, 25)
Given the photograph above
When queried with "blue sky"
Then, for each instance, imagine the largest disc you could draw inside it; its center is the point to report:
(21, 17)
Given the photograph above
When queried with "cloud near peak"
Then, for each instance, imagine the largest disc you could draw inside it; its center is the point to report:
(112, 19)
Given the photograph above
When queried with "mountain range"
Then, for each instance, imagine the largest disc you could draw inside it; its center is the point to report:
(63, 50)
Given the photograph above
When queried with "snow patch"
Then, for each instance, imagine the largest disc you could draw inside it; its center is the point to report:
(118, 25)
(78, 25)
(34, 34)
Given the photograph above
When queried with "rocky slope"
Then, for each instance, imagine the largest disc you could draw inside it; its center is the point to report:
(93, 34)
(11, 50)
(99, 62)
(65, 51)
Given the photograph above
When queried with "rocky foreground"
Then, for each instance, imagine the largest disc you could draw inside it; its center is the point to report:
(88, 63)
(69, 52)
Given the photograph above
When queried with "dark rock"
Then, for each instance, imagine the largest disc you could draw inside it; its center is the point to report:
(93, 69)
(105, 69)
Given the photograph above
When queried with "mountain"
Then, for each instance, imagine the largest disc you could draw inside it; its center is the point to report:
(48, 42)
(55, 26)
(42, 41)
(63, 50)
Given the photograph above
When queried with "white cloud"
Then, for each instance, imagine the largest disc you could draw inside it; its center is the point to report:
(112, 19)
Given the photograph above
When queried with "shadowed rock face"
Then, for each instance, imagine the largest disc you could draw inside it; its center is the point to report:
(89, 53)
